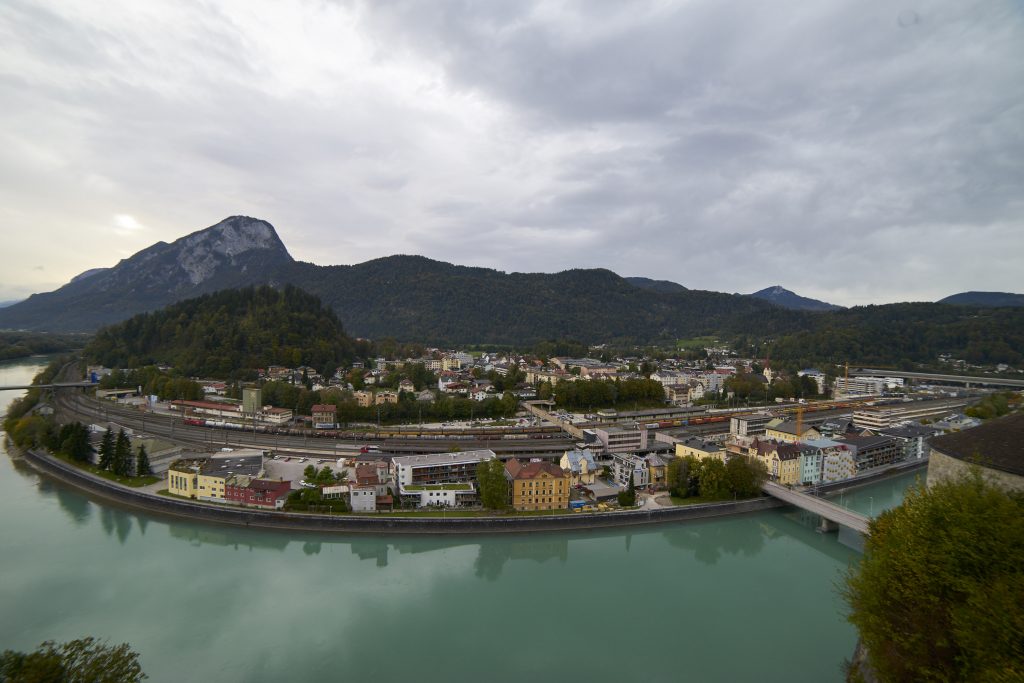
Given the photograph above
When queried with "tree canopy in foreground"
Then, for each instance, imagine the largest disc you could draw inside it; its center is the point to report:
(939, 594)
(85, 660)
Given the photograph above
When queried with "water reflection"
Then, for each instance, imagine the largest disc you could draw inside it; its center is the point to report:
(490, 562)
(77, 507)
(708, 541)
(232, 538)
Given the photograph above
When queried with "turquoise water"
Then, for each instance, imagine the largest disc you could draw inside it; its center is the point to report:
(742, 598)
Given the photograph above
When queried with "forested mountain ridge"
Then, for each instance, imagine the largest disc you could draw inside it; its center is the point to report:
(416, 299)
(997, 299)
(227, 333)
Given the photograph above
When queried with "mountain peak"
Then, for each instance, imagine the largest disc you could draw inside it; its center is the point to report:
(780, 296)
(239, 251)
(203, 252)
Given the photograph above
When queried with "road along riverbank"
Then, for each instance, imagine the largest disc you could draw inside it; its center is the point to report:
(383, 523)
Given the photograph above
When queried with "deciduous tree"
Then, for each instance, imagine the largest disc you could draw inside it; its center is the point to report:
(939, 593)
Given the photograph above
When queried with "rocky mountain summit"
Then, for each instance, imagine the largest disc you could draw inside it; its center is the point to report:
(236, 252)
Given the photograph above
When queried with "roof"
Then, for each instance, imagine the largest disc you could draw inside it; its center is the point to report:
(532, 470)
(249, 465)
(789, 427)
(701, 445)
(323, 408)
(270, 485)
(577, 456)
(863, 442)
(908, 431)
(996, 444)
(443, 458)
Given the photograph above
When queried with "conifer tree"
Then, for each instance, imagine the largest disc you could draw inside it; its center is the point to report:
(142, 467)
(107, 450)
(122, 454)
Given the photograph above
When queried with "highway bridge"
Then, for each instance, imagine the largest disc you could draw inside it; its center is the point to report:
(55, 385)
(954, 379)
(819, 506)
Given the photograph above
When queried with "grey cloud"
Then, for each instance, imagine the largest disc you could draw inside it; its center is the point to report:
(722, 146)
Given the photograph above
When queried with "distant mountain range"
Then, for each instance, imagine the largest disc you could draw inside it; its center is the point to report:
(412, 298)
(997, 299)
(787, 299)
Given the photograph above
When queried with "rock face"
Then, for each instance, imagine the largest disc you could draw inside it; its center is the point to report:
(237, 252)
(787, 299)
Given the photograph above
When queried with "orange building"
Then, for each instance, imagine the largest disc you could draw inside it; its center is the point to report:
(537, 485)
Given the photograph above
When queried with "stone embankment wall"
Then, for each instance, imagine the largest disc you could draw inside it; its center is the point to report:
(382, 523)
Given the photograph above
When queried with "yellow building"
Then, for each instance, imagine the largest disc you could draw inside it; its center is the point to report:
(537, 485)
(785, 465)
(205, 478)
(699, 448)
(363, 398)
(183, 476)
(787, 431)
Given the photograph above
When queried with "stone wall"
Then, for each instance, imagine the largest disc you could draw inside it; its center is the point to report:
(942, 467)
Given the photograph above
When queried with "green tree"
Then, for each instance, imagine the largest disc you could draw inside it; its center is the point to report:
(85, 660)
(309, 474)
(324, 477)
(493, 486)
(74, 442)
(106, 451)
(142, 467)
(627, 498)
(744, 476)
(713, 482)
(677, 477)
(939, 593)
(121, 464)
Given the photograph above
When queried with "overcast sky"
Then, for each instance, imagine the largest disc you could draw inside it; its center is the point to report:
(858, 152)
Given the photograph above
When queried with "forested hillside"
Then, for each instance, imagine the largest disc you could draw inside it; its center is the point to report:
(897, 334)
(228, 332)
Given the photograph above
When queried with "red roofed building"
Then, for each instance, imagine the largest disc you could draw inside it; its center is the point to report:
(263, 493)
(537, 485)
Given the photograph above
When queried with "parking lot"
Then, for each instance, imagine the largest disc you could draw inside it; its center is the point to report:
(290, 467)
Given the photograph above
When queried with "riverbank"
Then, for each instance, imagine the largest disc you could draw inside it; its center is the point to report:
(385, 523)
(382, 523)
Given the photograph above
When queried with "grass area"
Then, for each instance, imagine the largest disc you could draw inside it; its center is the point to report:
(133, 482)
(439, 487)
(696, 343)
(696, 500)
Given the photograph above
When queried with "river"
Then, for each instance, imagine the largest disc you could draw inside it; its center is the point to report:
(735, 599)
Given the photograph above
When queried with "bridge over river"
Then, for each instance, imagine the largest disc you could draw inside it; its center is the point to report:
(819, 506)
(55, 385)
